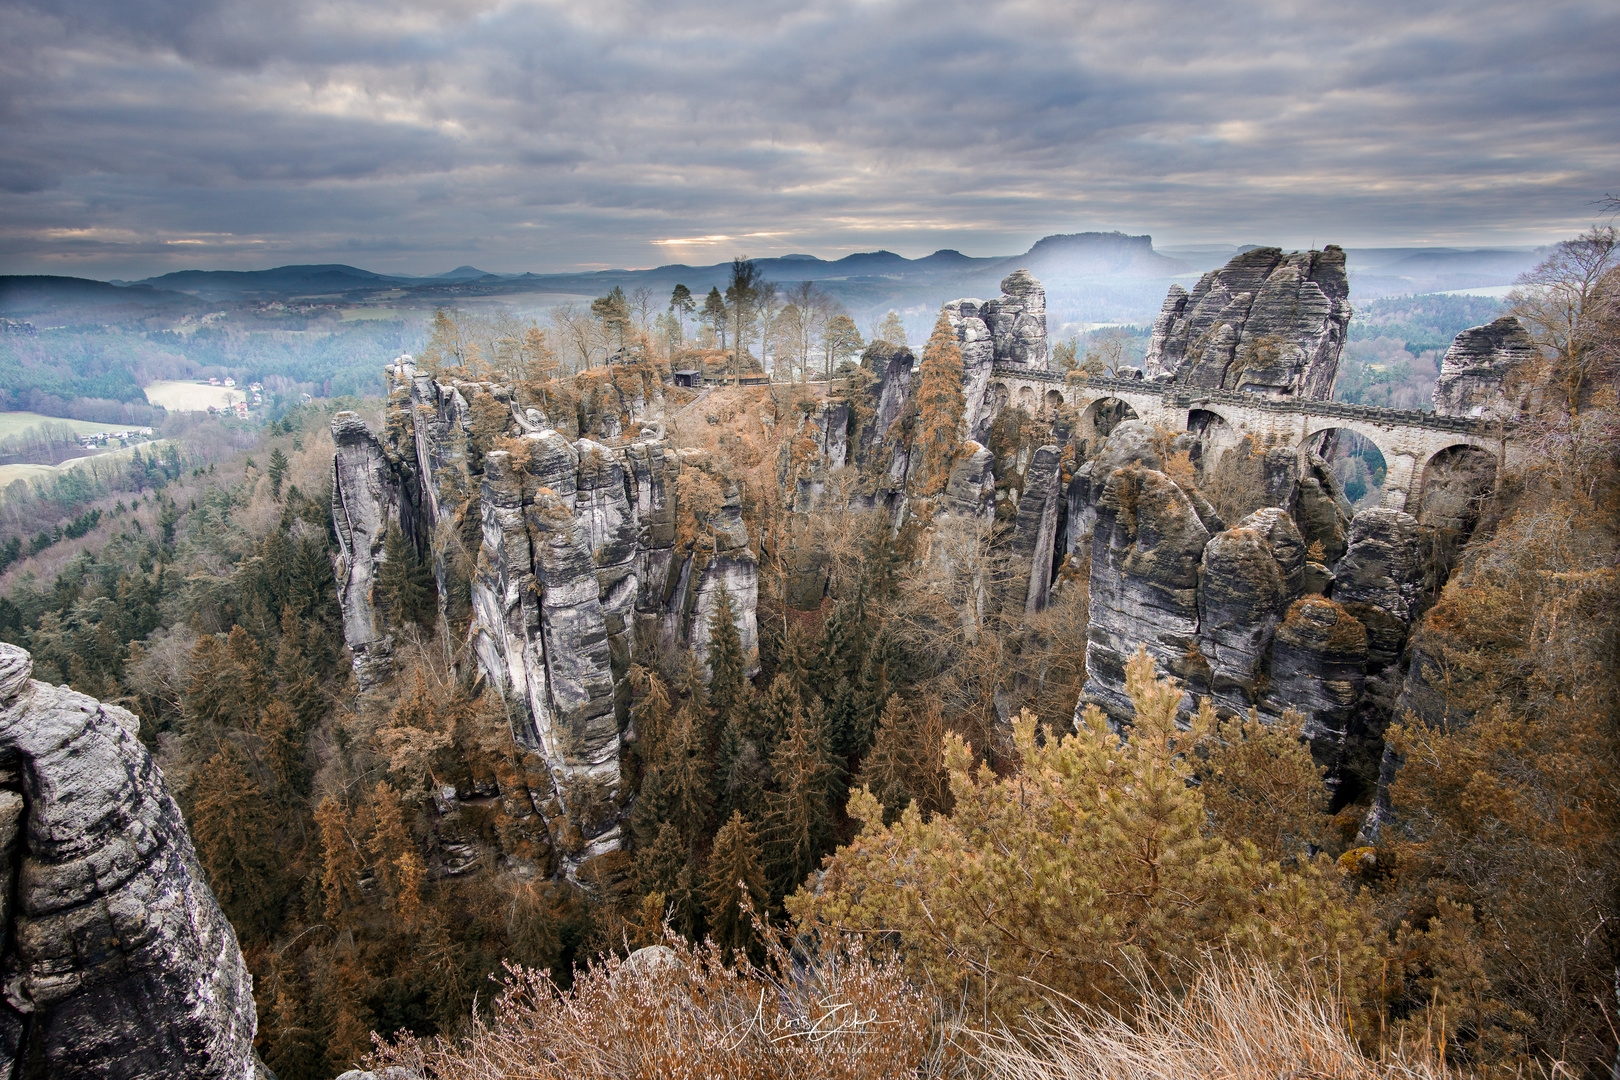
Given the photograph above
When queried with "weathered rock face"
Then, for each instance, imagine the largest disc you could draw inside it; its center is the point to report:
(1318, 665)
(117, 960)
(1017, 320)
(1248, 577)
(1266, 323)
(1380, 577)
(1010, 329)
(1145, 555)
(1244, 615)
(1472, 372)
(574, 544)
(370, 492)
(978, 358)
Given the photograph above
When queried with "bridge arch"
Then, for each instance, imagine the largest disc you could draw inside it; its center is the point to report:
(1452, 487)
(1364, 466)
(1099, 419)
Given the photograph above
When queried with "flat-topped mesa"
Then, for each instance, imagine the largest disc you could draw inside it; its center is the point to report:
(1010, 329)
(1472, 374)
(560, 547)
(1267, 323)
(117, 958)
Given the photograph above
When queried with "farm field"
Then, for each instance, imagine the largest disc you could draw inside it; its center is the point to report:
(10, 474)
(188, 396)
(12, 423)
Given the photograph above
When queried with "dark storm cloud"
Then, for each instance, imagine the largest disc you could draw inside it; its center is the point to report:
(536, 136)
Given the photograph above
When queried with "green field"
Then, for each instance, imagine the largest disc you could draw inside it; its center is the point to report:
(11, 423)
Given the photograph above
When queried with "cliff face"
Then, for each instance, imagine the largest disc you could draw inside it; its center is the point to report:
(117, 960)
(1011, 329)
(1471, 374)
(560, 549)
(1267, 322)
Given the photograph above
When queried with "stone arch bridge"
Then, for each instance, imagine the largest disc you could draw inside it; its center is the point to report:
(1409, 440)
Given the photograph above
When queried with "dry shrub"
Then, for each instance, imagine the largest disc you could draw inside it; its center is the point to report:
(1237, 1021)
(679, 1011)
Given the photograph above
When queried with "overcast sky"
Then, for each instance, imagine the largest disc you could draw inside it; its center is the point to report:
(138, 136)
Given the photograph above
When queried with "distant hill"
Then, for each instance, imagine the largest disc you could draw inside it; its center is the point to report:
(281, 281)
(44, 294)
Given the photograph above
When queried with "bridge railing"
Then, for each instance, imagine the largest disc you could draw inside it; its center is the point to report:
(1187, 397)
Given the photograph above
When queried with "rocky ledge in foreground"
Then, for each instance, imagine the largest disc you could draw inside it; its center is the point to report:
(117, 961)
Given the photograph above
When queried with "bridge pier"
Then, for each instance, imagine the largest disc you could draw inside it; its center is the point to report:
(1400, 473)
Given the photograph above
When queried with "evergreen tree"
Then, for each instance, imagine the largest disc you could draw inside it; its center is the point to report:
(800, 820)
(714, 313)
(687, 772)
(844, 721)
(726, 661)
(404, 585)
(940, 407)
(772, 715)
(885, 769)
(278, 471)
(299, 686)
(734, 871)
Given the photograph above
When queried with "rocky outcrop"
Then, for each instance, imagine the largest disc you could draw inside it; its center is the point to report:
(1248, 577)
(1145, 554)
(573, 543)
(1296, 607)
(371, 491)
(1010, 329)
(1267, 322)
(117, 959)
(1475, 367)
(1380, 578)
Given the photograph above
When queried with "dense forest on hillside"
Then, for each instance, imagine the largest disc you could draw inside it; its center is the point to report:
(904, 780)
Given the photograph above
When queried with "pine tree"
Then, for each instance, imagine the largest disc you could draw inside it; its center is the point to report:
(281, 748)
(278, 471)
(687, 772)
(734, 871)
(940, 406)
(715, 314)
(800, 822)
(726, 661)
(872, 690)
(402, 588)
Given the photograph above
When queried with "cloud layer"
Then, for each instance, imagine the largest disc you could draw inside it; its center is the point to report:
(414, 136)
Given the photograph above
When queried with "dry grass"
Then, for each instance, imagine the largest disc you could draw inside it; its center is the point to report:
(1237, 1021)
(678, 1012)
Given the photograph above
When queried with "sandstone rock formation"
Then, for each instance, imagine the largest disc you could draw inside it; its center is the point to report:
(370, 492)
(1242, 614)
(1010, 329)
(1472, 372)
(567, 545)
(117, 960)
(1266, 323)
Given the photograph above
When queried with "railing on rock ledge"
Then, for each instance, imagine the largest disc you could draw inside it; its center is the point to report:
(1181, 396)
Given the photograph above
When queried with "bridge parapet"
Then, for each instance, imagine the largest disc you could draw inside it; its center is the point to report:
(1184, 397)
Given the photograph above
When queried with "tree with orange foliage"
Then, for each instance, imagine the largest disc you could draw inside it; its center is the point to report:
(940, 408)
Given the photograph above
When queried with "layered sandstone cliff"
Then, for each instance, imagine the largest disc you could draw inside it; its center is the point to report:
(1267, 322)
(117, 960)
(560, 555)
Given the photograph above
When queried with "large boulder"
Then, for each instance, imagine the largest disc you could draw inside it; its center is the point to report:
(1267, 322)
(117, 960)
